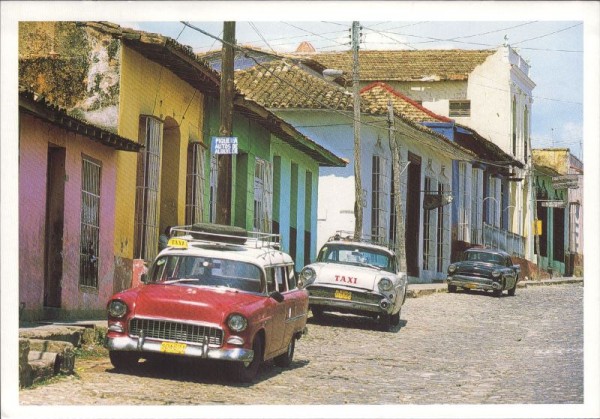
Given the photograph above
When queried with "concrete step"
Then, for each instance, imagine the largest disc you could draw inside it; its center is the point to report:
(64, 351)
(43, 365)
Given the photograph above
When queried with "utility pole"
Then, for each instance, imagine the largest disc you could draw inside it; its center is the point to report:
(399, 229)
(224, 161)
(358, 204)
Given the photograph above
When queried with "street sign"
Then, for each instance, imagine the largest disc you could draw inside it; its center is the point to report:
(224, 145)
(564, 182)
(553, 204)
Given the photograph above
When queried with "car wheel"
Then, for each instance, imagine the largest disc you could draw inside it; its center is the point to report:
(124, 360)
(385, 322)
(245, 372)
(395, 319)
(452, 288)
(513, 290)
(285, 360)
(317, 312)
(497, 293)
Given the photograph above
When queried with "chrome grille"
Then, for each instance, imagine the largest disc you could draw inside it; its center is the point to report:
(181, 332)
(360, 297)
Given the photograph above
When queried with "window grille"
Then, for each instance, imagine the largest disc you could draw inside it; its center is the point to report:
(214, 175)
(429, 222)
(464, 201)
(379, 198)
(443, 225)
(148, 181)
(89, 252)
(476, 206)
(194, 200)
(525, 133)
(263, 195)
(460, 108)
(514, 126)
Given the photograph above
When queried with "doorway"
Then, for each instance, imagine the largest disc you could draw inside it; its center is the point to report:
(55, 205)
(413, 221)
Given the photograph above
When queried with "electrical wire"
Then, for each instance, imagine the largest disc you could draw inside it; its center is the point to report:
(548, 34)
(316, 34)
(345, 114)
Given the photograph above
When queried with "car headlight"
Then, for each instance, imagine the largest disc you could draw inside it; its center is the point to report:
(117, 308)
(385, 284)
(451, 269)
(237, 322)
(308, 275)
(496, 273)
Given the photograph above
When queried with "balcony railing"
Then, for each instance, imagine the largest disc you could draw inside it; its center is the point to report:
(497, 238)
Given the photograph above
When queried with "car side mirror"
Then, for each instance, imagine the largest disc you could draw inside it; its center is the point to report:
(277, 296)
(144, 278)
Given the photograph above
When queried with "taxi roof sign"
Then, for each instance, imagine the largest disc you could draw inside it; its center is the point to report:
(177, 243)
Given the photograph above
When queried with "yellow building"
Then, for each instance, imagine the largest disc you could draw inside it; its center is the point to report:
(150, 89)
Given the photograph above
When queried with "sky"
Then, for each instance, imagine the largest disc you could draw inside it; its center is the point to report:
(554, 49)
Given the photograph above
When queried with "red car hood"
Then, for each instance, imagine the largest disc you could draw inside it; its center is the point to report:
(183, 302)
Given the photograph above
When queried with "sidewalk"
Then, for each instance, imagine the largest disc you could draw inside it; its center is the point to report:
(421, 290)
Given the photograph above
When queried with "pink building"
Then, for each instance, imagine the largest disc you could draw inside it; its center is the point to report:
(67, 173)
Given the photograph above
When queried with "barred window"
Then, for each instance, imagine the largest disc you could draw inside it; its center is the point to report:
(460, 108)
(379, 198)
(194, 202)
(427, 234)
(464, 203)
(148, 181)
(214, 176)
(476, 206)
(443, 225)
(89, 254)
(263, 195)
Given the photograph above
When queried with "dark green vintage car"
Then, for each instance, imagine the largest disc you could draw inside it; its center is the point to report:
(484, 269)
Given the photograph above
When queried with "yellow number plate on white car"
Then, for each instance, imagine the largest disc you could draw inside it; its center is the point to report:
(173, 347)
(343, 295)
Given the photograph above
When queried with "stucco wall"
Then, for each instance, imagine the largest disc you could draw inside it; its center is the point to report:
(35, 136)
(146, 88)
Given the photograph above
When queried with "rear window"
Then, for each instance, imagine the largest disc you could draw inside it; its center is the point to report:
(206, 271)
(485, 257)
(356, 255)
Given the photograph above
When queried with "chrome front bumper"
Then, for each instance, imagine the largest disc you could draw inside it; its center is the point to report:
(127, 343)
(473, 282)
(352, 305)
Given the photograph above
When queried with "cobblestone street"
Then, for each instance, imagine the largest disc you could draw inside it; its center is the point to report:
(464, 348)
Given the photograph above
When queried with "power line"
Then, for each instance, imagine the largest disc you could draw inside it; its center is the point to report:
(316, 34)
(377, 125)
(549, 34)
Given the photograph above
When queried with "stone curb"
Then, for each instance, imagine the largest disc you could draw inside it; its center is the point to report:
(422, 290)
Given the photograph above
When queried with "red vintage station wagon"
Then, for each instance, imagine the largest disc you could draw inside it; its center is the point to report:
(216, 293)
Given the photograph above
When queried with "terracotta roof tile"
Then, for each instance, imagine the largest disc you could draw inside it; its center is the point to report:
(402, 65)
(378, 94)
(279, 84)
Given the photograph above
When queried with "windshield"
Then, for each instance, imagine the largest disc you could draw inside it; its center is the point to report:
(354, 255)
(484, 257)
(206, 271)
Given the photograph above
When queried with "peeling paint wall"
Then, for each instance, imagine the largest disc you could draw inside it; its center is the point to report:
(77, 68)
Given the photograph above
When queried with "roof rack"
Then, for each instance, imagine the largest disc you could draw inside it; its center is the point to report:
(344, 235)
(223, 235)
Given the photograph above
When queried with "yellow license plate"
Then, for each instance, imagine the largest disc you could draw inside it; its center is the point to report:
(343, 295)
(173, 347)
(470, 286)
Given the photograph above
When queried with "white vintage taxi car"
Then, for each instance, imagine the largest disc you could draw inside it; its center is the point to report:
(356, 277)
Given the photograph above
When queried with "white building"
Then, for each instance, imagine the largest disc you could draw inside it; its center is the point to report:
(487, 90)
(323, 111)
